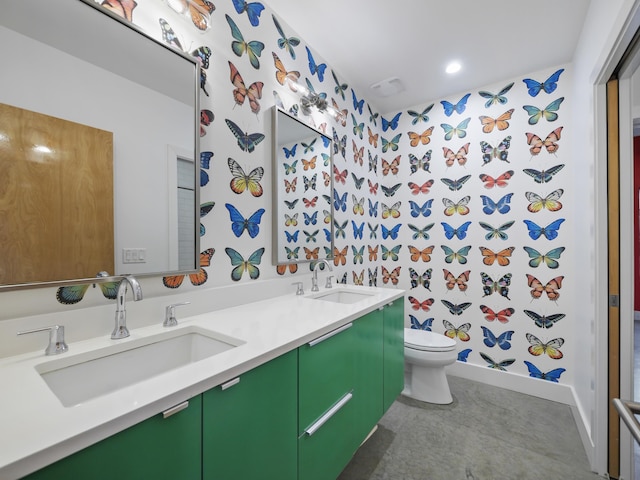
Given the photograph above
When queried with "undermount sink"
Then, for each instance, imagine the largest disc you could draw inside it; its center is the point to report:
(78, 379)
(343, 296)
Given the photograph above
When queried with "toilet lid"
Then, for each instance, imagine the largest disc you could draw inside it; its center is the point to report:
(425, 340)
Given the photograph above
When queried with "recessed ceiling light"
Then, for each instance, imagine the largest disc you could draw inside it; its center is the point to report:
(453, 67)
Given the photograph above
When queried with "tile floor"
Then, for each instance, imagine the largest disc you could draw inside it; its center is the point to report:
(487, 433)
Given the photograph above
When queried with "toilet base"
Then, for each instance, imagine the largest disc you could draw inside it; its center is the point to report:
(427, 384)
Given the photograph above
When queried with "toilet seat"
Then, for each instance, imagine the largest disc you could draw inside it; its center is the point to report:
(427, 341)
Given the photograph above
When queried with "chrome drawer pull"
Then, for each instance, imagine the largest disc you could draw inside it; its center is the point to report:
(330, 413)
(230, 383)
(176, 409)
(327, 336)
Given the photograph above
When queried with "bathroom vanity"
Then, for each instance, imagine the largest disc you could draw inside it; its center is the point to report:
(282, 388)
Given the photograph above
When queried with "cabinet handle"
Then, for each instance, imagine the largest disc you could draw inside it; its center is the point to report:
(330, 413)
(327, 336)
(176, 409)
(230, 383)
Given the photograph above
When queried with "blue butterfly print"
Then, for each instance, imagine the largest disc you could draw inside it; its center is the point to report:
(310, 237)
(239, 224)
(309, 147)
(291, 204)
(455, 185)
(393, 232)
(373, 208)
(241, 265)
(290, 153)
(373, 230)
(310, 219)
(390, 144)
(421, 232)
(340, 87)
(498, 98)
(357, 231)
(322, 95)
(253, 9)
(460, 232)
(339, 202)
(357, 254)
(358, 105)
(205, 160)
(503, 340)
(549, 112)
(357, 127)
(205, 208)
(315, 68)
(544, 176)
(391, 253)
(202, 54)
(292, 254)
(456, 309)
(327, 234)
(421, 116)
(552, 375)
(550, 258)
(501, 206)
(417, 325)
(549, 85)
(286, 42)
(424, 210)
(246, 141)
(550, 231)
(325, 142)
(459, 131)
(459, 107)
(460, 255)
(292, 237)
(390, 124)
(497, 232)
(239, 45)
(372, 116)
(339, 232)
(497, 365)
(464, 354)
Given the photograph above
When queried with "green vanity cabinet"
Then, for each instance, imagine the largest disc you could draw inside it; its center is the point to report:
(393, 351)
(326, 404)
(250, 425)
(155, 448)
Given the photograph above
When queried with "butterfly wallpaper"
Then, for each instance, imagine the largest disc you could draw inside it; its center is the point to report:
(465, 202)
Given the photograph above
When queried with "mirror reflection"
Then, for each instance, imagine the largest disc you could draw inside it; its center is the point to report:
(303, 229)
(122, 202)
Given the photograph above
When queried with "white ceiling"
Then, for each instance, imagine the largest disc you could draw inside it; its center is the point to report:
(366, 41)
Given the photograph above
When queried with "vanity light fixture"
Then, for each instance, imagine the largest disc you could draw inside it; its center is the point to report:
(193, 10)
(309, 99)
(453, 67)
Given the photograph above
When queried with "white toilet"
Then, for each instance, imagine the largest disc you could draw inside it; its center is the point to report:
(425, 356)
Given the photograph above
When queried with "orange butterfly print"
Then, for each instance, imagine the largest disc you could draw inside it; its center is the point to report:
(327, 178)
(416, 304)
(123, 8)
(311, 254)
(424, 254)
(358, 279)
(282, 75)
(373, 253)
(290, 186)
(502, 316)
(420, 138)
(309, 164)
(358, 153)
(340, 256)
(460, 332)
(342, 114)
(502, 257)
(424, 188)
(390, 276)
(501, 181)
(461, 280)
(373, 187)
(197, 278)
(282, 269)
(373, 139)
(537, 144)
(390, 167)
(341, 177)
(551, 288)
(500, 123)
(241, 92)
(461, 156)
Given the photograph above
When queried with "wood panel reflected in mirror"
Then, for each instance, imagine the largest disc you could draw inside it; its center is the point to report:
(100, 72)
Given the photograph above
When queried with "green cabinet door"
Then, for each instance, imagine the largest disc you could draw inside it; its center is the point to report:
(250, 428)
(326, 402)
(368, 390)
(393, 351)
(156, 448)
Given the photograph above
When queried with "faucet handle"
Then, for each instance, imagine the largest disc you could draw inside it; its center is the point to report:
(56, 339)
(329, 283)
(170, 314)
(299, 288)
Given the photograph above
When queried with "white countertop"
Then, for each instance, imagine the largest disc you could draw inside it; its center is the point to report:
(38, 430)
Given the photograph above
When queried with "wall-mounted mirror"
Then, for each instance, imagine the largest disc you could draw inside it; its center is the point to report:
(127, 178)
(302, 186)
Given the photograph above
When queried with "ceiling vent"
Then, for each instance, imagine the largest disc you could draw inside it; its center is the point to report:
(386, 88)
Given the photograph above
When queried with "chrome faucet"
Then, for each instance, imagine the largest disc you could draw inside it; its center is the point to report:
(314, 278)
(121, 330)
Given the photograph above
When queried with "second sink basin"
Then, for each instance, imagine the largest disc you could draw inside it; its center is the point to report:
(75, 380)
(343, 296)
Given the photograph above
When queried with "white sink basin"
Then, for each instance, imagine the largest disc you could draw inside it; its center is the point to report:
(343, 296)
(78, 379)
